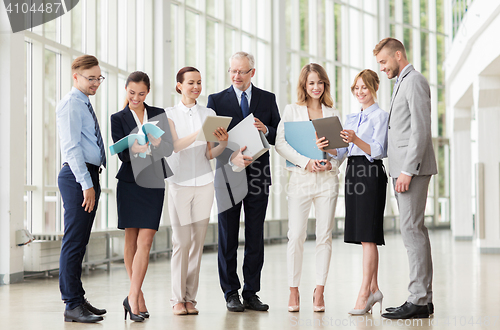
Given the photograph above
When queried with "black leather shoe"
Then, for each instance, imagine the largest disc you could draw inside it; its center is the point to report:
(409, 311)
(92, 309)
(144, 314)
(430, 306)
(81, 314)
(234, 304)
(255, 304)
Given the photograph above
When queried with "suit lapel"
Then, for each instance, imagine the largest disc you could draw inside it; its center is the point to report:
(233, 103)
(403, 75)
(255, 99)
(128, 118)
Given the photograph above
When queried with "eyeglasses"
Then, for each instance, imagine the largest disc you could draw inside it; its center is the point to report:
(98, 80)
(235, 72)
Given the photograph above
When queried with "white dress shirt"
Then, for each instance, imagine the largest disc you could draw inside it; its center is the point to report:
(190, 165)
(139, 126)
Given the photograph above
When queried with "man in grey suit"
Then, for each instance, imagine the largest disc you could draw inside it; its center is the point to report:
(411, 165)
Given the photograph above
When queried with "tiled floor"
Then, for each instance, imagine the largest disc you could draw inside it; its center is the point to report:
(466, 293)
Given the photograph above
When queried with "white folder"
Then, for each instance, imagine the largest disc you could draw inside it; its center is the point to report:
(246, 134)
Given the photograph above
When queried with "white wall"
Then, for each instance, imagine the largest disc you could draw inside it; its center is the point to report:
(473, 103)
(12, 134)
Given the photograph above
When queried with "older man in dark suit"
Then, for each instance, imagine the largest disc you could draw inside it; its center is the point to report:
(248, 188)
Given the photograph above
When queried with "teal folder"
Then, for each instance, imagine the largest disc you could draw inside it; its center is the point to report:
(301, 136)
(128, 141)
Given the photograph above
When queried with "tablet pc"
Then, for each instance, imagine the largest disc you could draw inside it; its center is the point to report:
(330, 128)
(210, 124)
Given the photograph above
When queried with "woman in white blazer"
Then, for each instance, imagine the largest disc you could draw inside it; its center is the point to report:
(311, 181)
(190, 189)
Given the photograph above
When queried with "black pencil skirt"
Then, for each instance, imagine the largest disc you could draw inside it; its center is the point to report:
(139, 207)
(365, 190)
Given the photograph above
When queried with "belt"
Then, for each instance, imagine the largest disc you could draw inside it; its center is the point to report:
(90, 167)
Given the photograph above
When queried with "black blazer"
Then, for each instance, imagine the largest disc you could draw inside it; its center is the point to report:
(154, 166)
(263, 106)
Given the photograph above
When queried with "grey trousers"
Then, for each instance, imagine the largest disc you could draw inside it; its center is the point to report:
(416, 238)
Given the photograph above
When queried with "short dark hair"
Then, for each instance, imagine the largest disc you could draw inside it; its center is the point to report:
(137, 77)
(180, 75)
(84, 62)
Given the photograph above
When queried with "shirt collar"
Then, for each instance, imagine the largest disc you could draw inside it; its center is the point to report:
(186, 109)
(370, 109)
(79, 94)
(239, 91)
(402, 71)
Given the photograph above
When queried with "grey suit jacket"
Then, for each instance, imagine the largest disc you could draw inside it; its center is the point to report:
(410, 139)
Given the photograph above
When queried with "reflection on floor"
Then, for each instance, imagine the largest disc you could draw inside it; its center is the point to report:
(466, 292)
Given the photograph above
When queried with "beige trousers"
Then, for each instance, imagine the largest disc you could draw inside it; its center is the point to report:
(189, 210)
(305, 188)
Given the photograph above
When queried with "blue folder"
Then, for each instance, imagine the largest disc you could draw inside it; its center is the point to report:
(301, 136)
(129, 140)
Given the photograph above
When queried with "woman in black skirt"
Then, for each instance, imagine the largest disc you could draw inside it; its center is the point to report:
(365, 182)
(141, 187)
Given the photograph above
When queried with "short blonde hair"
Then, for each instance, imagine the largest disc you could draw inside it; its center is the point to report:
(371, 80)
(302, 95)
(392, 44)
(84, 62)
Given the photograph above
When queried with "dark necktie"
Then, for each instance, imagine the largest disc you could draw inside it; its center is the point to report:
(244, 105)
(100, 143)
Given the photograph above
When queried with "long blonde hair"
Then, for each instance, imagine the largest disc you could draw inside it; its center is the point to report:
(302, 95)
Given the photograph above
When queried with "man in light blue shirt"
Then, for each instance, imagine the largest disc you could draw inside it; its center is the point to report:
(83, 153)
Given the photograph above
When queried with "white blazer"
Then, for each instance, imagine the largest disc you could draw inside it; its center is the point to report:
(295, 112)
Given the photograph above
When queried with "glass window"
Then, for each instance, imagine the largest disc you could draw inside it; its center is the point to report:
(173, 44)
(192, 3)
(263, 24)
(288, 21)
(211, 7)
(424, 13)
(441, 113)
(122, 35)
(76, 27)
(392, 12)
(228, 11)
(191, 38)
(424, 54)
(228, 51)
(338, 32)
(338, 89)
(321, 20)
(210, 78)
(440, 16)
(246, 15)
(440, 58)
(408, 43)
(355, 35)
(407, 12)
(304, 25)
(51, 29)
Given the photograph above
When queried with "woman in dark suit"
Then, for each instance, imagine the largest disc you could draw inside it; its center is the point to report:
(141, 188)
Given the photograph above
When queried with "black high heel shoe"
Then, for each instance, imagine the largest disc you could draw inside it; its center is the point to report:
(144, 314)
(133, 317)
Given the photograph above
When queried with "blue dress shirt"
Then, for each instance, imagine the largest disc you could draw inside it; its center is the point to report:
(77, 135)
(371, 126)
